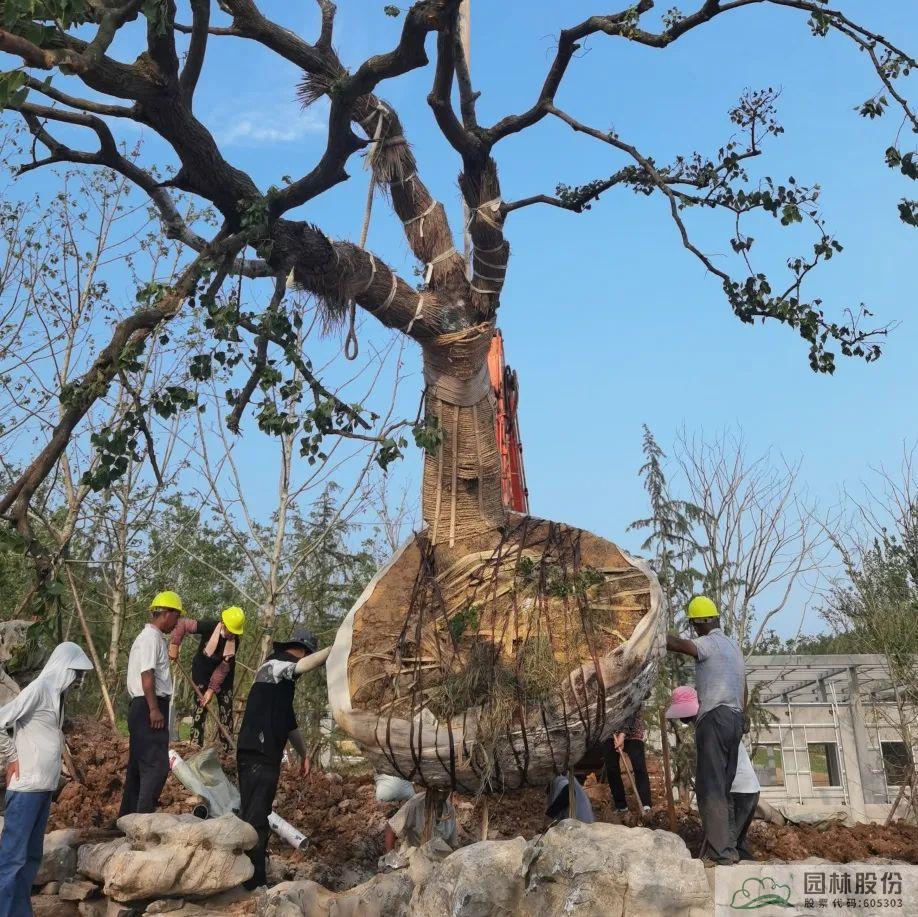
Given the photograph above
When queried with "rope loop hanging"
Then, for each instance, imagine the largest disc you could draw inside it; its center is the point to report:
(351, 344)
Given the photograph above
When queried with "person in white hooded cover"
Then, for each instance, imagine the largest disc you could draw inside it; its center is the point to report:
(32, 757)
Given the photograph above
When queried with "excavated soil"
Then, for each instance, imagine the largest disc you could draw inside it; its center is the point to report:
(346, 825)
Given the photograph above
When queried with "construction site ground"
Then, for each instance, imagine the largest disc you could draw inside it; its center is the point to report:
(345, 824)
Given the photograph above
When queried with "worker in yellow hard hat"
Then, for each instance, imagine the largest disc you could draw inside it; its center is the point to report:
(213, 666)
(720, 680)
(149, 683)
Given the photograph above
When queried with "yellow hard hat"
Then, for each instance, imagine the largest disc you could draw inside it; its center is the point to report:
(233, 619)
(701, 607)
(167, 599)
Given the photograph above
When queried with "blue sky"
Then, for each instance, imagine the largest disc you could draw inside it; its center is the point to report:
(609, 322)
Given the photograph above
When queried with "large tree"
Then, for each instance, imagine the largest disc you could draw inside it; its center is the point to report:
(473, 555)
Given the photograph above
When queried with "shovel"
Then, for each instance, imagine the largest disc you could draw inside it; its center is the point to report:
(625, 765)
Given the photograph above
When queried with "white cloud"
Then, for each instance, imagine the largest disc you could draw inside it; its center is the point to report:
(254, 125)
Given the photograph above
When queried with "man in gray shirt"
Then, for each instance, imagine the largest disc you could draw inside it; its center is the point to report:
(720, 679)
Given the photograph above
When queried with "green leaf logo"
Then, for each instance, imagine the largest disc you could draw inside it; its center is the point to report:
(759, 893)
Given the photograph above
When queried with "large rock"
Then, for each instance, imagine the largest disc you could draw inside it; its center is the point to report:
(19, 657)
(596, 870)
(608, 870)
(59, 860)
(93, 858)
(52, 906)
(171, 855)
(817, 817)
(384, 895)
(482, 880)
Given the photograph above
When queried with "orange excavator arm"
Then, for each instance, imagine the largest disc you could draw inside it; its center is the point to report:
(506, 390)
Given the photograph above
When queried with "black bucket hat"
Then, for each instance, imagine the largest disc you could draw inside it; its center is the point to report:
(301, 638)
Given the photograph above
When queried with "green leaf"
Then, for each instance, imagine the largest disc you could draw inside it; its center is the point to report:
(12, 88)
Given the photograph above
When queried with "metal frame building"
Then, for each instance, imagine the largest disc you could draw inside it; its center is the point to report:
(836, 741)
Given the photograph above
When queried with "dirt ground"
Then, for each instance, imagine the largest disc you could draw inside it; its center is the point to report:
(345, 823)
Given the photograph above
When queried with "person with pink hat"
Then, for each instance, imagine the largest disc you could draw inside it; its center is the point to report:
(745, 789)
(720, 680)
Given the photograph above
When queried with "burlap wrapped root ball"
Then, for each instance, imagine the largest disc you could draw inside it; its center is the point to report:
(497, 663)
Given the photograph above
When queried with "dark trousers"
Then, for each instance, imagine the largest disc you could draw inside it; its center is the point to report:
(717, 738)
(257, 789)
(148, 758)
(225, 712)
(634, 749)
(21, 844)
(743, 811)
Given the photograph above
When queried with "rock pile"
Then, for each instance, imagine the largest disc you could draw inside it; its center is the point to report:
(174, 855)
(190, 868)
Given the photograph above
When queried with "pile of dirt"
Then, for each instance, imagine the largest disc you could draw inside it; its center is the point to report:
(101, 756)
(346, 825)
(837, 843)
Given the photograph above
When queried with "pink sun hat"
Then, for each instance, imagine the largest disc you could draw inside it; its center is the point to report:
(684, 703)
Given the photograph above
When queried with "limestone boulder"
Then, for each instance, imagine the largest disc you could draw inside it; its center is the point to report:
(612, 870)
(59, 860)
(171, 856)
(817, 817)
(20, 657)
(596, 870)
(481, 880)
(93, 858)
(385, 895)
(52, 906)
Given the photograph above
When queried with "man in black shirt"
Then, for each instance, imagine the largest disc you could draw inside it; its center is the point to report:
(268, 724)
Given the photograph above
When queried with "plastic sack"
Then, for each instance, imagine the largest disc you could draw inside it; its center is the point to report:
(393, 789)
(203, 775)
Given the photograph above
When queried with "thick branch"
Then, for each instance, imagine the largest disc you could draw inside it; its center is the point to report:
(342, 142)
(87, 105)
(108, 156)
(440, 98)
(196, 49)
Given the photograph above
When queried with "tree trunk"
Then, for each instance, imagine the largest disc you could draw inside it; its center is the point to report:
(461, 490)
(119, 604)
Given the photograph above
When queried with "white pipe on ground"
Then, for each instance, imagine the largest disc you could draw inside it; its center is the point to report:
(287, 832)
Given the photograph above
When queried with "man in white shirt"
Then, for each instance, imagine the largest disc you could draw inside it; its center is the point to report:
(32, 757)
(149, 682)
(744, 793)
